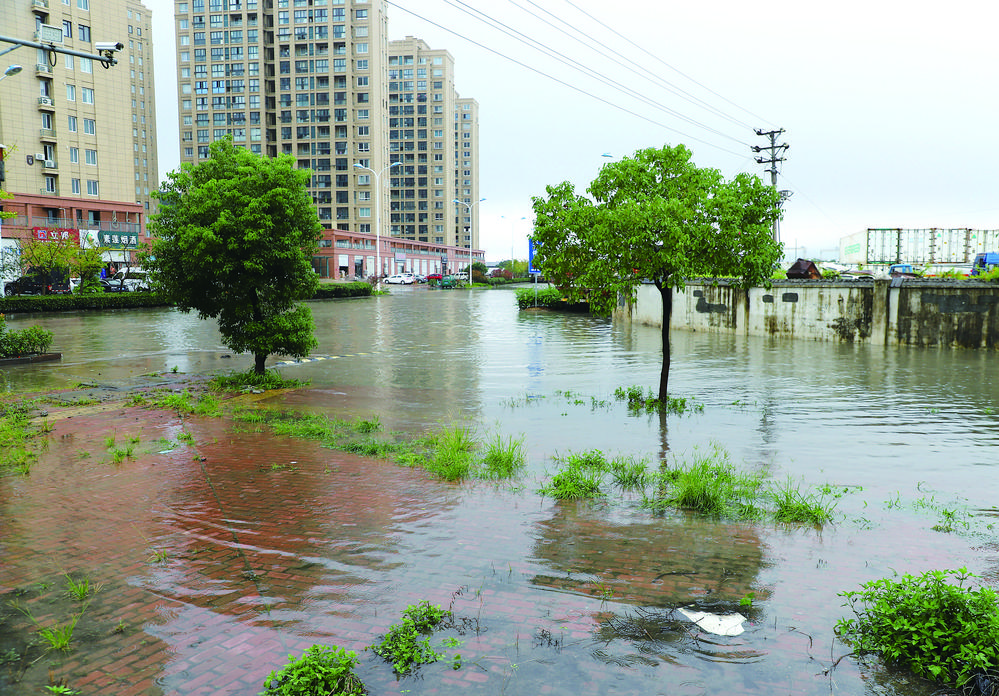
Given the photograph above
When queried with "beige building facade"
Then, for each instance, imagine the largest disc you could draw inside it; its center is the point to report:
(79, 137)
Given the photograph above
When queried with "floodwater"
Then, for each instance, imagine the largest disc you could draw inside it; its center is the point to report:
(268, 545)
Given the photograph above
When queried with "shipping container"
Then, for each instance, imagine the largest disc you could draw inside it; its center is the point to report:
(877, 246)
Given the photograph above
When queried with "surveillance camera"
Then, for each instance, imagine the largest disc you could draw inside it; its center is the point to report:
(109, 46)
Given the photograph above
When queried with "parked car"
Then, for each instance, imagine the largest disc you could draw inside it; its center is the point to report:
(39, 282)
(434, 276)
(133, 279)
(400, 279)
(113, 285)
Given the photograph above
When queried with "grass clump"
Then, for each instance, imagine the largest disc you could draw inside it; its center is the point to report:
(640, 400)
(710, 484)
(407, 644)
(59, 637)
(19, 438)
(792, 505)
(320, 670)
(931, 623)
(503, 459)
(82, 589)
(250, 380)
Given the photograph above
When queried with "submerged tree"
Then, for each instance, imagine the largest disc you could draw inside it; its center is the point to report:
(235, 236)
(655, 217)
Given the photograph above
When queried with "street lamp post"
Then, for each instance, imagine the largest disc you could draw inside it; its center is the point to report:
(469, 207)
(11, 70)
(378, 216)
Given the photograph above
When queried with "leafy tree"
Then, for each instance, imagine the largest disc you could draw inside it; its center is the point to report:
(51, 258)
(87, 265)
(235, 236)
(655, 216)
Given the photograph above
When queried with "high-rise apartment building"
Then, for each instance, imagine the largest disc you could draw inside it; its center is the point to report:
(424, 113)
(79, 138)
(313, 79)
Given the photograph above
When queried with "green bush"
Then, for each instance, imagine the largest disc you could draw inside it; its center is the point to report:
(32, 340)
(940, 630)
(65, 303)
(546, 297)
(321, 670)
(332, 291)
(407, 644)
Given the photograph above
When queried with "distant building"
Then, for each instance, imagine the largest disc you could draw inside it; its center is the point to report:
(79, 140)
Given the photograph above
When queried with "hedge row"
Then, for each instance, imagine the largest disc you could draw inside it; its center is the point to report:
(131, 300)
(32, 340)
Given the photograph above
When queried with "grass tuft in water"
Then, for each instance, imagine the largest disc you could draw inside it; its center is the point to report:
(249, 380)
(791, 505)
(503, 459)
(81, 590)
(59, 637)
(640, 400)
(581, 476)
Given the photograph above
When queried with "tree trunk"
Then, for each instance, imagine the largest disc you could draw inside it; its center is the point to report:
(667, 295)
(258, 362)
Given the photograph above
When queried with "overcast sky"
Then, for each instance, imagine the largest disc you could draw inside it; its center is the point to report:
(890, 109)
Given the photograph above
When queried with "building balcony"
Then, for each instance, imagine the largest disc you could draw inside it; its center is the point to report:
(43, 70)
(46, 103)
(46, 134)
(40, 4)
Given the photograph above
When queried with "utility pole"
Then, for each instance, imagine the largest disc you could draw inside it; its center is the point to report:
(774, 150)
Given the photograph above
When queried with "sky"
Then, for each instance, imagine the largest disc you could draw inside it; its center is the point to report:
(889, 110)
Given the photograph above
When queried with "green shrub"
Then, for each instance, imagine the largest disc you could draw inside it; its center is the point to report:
(239, 381)
(65, 303)
(28, 341)
(940, 630)
(503, 459)
(332, 291)
(321, 670)
(644, 400)
(407, 644)
(544, 297)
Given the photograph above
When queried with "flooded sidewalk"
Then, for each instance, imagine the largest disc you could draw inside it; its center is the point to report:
(219, 550)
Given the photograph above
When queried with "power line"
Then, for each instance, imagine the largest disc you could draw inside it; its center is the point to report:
(562, 82)
(576, 65)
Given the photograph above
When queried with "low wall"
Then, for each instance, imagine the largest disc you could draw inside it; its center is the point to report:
(918, 312)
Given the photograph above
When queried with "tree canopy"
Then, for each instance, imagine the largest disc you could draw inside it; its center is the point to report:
(655, 217)
(234, 239)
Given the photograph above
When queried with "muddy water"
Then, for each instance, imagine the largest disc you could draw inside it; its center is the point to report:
(268, 546)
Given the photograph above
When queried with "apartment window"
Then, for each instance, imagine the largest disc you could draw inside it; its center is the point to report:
(91, 157)
(83, 4)
(88, 95)
(362, 114)
(74, 157)
(76, 186)
(83, 32)
(362, 64)
(364, 212)
(86, 65)
(89, 126)
(360, 14)
(67, 29)
(92, 187)
(50, 184)
(70, 92)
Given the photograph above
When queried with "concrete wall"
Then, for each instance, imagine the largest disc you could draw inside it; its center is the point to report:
(960, 314)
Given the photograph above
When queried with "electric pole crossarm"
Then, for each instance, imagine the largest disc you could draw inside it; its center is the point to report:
(106, 57)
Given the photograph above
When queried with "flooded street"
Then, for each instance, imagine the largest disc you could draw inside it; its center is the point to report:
(223, 549)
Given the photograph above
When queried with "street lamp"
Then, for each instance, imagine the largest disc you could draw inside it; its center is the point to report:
(11, 70)
(513, 222)
(469, 207)
(378, 216)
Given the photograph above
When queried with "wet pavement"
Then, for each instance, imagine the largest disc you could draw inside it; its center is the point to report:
(222, 549)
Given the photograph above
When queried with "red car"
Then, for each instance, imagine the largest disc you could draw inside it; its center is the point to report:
(435, 276)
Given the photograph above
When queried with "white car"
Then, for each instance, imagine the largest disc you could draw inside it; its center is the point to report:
(401, 279)
(133, 279)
